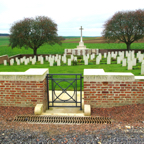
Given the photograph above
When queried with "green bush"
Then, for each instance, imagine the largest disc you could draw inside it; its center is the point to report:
(90, 63)
(82, 61)
(79, 57)
(55, 64)
(74, 62)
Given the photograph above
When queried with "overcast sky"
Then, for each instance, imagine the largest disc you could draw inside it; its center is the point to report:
(69, 15)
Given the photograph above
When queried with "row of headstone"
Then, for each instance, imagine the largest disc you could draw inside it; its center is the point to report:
(131, 60)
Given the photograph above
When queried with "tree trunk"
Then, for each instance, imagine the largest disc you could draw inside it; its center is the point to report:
(35, 53)
(128, 46)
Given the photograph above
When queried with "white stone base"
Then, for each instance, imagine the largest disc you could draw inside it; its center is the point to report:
(87, 110)
(73, 51)
(38, 109)
(81, 47)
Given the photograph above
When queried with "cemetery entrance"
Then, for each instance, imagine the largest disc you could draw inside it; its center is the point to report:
(68, 87)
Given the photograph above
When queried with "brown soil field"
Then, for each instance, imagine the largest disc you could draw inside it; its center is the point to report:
(98, 40)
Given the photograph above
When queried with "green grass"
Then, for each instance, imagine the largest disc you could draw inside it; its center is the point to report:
(56, 49)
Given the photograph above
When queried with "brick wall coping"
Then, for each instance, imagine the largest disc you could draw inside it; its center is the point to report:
(99, 75)
(139, 78)
(32, 74)
(15, 55)
(3, 55)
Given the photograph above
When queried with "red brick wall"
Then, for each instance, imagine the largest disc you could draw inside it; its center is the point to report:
(110, 94)
(2, 58)
(22, 93)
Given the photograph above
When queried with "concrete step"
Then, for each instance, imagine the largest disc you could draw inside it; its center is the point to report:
(64, 111)
(60, 111)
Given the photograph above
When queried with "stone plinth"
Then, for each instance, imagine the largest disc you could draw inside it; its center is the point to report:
(81, 45)
(99, 75)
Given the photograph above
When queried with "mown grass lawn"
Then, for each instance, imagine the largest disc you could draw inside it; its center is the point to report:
(64, 69)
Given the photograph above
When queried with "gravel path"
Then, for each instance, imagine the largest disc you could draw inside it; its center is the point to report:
(104, 136)
(127, 128)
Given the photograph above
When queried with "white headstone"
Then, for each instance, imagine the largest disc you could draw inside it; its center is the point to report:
(30, 58)
(142, 68)
(11, 62)
(126, 53)
(130, 65)
(100, 56)
(134, 61)
(18, 62)
(59, 57)
(118, 60)
(124, 62)
(108, 60)
(25, 62)
(46, 57)
(58, 62)
(39, 58)
(33, 61)
(86, 61)
(75, 58)
(114, 56)
(21, 60)
(64, 59)
(69, 62)
(5, 62)
(41, 61)
(88, 56)
(72, 57)
(91, 57)
(51, 62)
(98, 60)
(55, 59)
(105, 55)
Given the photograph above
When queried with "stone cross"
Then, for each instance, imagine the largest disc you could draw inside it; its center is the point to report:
(81, 33)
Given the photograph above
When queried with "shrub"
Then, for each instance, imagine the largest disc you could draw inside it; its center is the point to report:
(74, 62)
(55, 64)
(79, 57)
(90, 63)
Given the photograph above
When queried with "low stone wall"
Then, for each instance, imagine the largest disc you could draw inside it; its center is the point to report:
(23, 89)
(102, 51)
(101, 89)
(81, 51)
(106, 89)
(4, 57)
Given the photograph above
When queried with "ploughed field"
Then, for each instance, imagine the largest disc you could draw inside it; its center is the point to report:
(94, 40)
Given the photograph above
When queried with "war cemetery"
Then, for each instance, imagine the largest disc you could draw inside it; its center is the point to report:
(77, 83)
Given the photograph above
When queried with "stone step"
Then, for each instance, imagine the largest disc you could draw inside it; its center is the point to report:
(61, 111)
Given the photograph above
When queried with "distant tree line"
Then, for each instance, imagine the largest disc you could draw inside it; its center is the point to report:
(4, 34)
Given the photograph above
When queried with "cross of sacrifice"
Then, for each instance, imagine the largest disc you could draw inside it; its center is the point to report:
(81, 33)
